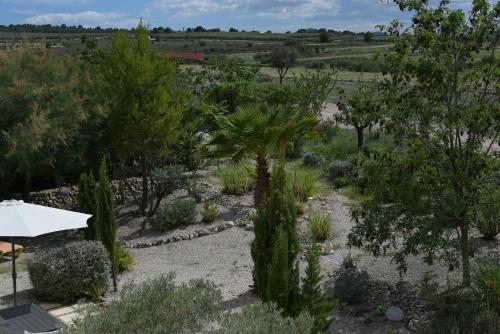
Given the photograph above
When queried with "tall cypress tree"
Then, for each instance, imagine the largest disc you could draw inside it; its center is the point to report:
(106, 217)
(314, 300)
(86, 199)
(276, 246)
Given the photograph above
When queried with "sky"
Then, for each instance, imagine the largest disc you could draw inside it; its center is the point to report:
(261, 15)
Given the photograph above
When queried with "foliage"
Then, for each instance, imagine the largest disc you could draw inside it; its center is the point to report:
(164, 181)
(312, 159)
(324, 37)
(259, 132)
(488, 210)
(486, 284)
(156, 306)
(265, 319)
(226, 80)
(106, 224)
(237, 178)
(76, 270)
(41, 116)
(321, 226)
(314, 300)
(282, 58)
(87, 203)
(303, 184)
(210, 211)
(124, 259)
(178, 212)
(312, 89)
(146, 105)
(362, 109)
(338, 172)
(352, 285)
(276, 246)
(423, 199)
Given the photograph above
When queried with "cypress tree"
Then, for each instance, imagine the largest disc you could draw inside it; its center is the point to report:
(86, 199)
(106, 218)
(276, 246)
(314, 300)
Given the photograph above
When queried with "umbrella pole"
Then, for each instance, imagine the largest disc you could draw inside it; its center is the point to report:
(14, 275)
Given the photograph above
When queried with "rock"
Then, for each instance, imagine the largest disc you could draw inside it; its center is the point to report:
(203, 231)
(394, 313)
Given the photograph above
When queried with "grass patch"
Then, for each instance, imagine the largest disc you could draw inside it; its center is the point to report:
(237, 179)
(320, 224)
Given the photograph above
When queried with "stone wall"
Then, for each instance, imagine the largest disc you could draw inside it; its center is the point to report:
(124, 191)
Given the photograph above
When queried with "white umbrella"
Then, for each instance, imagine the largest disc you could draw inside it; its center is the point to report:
(19, 219)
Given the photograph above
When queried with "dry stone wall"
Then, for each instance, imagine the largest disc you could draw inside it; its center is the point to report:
(124, 191)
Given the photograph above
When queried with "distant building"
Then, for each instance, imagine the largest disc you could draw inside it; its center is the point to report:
(187, 55)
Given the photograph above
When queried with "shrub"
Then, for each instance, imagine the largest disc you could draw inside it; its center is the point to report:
(210, 211)
(124, 259)
(178, 212)
(67, 273)
(303, 184)
(486, 284)
(265, 319)
(237, 179)
(338, 173)
(155, 306)
(312, 159)
(328, 130)
(320, 224)
(352, 286)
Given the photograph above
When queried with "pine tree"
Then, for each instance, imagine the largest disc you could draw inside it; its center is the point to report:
(314, 300)
(106, 217)
(86, 199)
(276, 246)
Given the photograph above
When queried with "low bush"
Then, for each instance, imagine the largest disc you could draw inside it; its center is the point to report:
(303, 184)
(210, 211)
(156, 306)
(265, 319)
(320, 224)
(124, 259)
(338, 173)
(312, 159)
(237, 179)
(486, 284)
(64, 274)
(178, 212)
(352, 286)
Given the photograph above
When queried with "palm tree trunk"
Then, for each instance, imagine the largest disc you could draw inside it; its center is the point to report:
(263, 179)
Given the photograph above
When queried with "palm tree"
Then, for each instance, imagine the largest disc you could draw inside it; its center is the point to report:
(259, 132)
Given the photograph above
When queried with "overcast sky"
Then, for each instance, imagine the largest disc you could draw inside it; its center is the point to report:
(276, 15)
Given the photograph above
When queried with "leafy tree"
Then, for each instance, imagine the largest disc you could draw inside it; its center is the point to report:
(106, 218)
(41, 113)
(225, 80)
(368, 37)
(324, 36)
(312, 90)
(259, 132)
(87, 203)
(444, 105)
(145, 104)
(314, 300)
(276, 246)
(283, 58)
(362, 109)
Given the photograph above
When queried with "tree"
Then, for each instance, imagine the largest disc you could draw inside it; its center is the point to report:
(106, 218)
(282, 58)
(225, 80)
(233, 30)
(324, 36)
(259, 132)
(312, 90)
(362, 109)
(314, 300)
(276, 246)
(200, 29)
(368, 37)
(146, 105)
(41, 113)
(87, 203)
(443, 106)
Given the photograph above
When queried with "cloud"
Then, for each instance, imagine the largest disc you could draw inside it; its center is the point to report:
(280, 9)
(87, 19)
(47, 2)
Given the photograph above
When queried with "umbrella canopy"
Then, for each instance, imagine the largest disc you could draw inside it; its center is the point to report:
(19, 219)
